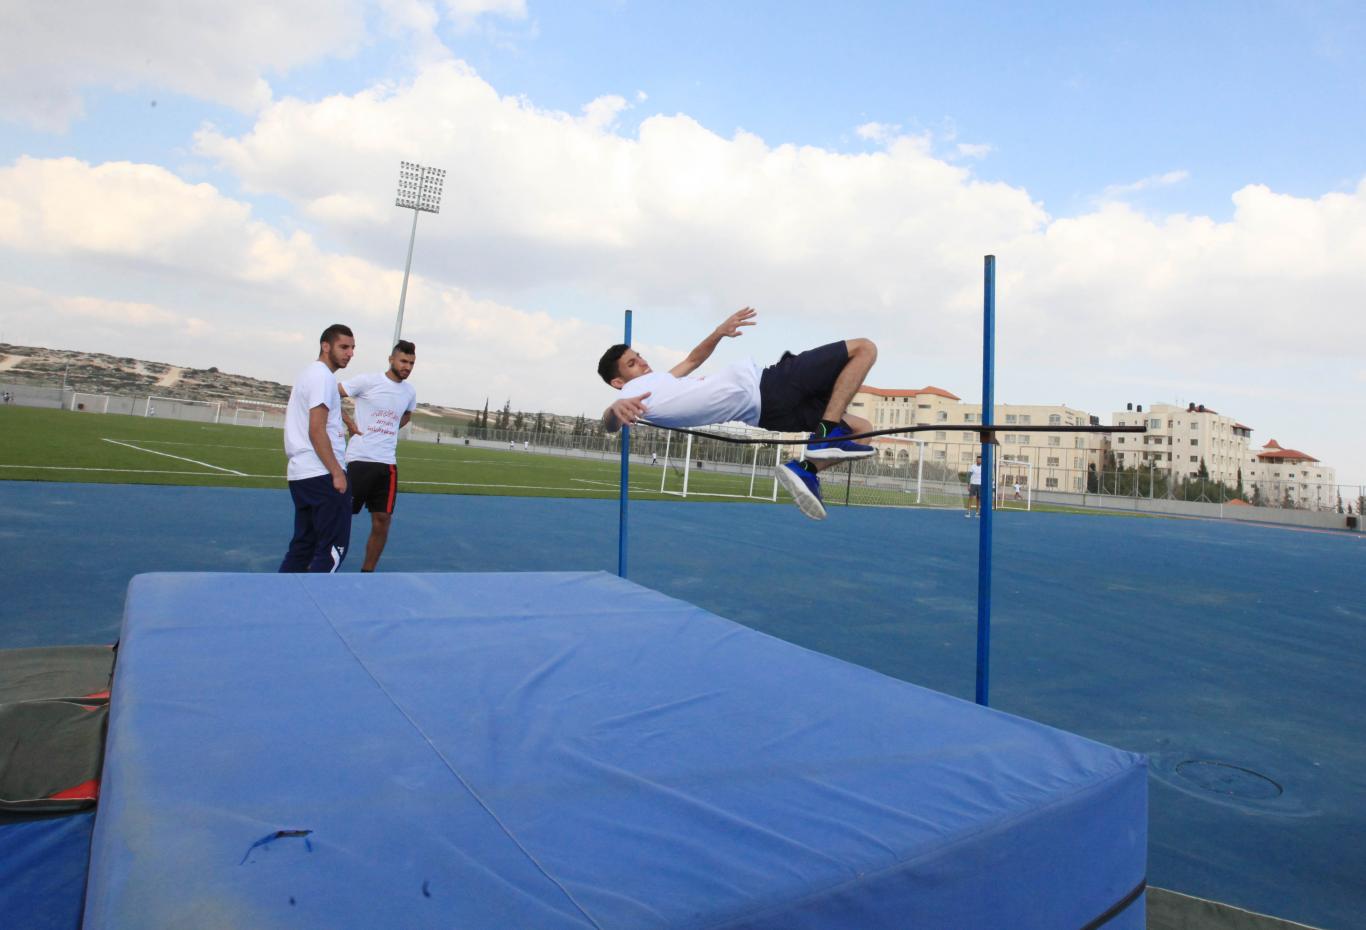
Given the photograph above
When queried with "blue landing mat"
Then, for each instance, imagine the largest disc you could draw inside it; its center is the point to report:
(570, 750)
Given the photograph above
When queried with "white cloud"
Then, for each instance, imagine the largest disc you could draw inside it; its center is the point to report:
(876, 132)
(50, 53)
(218, 287)
(972, 150)
(674, 215)
(1152, 182)
(465, 14)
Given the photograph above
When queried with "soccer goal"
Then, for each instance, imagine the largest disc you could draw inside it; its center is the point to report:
(749, 472)
(242, 417)
(175, 408)
(1015, 487)
(90, 403)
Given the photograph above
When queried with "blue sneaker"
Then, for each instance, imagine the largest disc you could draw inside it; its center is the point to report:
(805, 489)
(833, 447)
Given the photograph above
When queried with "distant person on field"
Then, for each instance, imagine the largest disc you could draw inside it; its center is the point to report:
(974, 490)
(314, 439)
(384, 405)
(807, 393)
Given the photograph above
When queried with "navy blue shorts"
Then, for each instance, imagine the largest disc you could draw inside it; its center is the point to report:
(794, 393)
(322, 526)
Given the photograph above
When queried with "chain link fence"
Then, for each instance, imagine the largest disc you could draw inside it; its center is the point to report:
(896, 476)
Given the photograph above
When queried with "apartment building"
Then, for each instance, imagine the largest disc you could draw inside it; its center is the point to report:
(1179, 439)
(1053, 461)
(1285, 477)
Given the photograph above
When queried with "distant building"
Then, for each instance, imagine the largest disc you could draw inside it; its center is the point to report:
(1052, 461)
(1282, 477)
(1180, 439)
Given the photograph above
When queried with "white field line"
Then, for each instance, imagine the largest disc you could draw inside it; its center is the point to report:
(473, 484)
(207, 445)
(615, 485)
(402, 482)
(416, 458)
(182, 458)
(139, 471)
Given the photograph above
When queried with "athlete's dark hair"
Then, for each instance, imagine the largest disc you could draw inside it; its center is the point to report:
(404, 346)
(330, 334)
(607, 365)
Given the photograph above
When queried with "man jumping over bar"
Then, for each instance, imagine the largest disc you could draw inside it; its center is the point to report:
(809, 393)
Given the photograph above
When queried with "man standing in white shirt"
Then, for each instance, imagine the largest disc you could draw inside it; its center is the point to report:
(314, 440)
(808, 392)
(974, 501)
(384, 405)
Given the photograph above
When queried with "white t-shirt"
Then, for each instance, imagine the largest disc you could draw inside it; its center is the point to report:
(315, 385)
(381, 403)
(698, 400)
(975, 475)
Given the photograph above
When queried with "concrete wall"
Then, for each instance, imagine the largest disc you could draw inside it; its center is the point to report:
(1175, 508)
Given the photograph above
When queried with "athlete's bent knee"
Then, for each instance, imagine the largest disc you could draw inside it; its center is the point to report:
(861, 347)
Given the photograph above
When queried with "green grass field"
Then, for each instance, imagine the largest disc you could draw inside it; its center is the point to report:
(60, 445)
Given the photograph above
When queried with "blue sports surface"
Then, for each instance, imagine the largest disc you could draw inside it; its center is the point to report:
(1231, 655)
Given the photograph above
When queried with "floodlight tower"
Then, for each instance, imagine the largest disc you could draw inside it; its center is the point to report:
(419, 190)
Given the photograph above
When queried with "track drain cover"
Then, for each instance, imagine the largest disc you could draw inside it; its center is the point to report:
(1232, 781)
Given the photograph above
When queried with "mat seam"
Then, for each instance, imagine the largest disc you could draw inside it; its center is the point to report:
(469, 789)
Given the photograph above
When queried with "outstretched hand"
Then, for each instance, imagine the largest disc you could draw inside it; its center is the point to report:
(629, 409)
(731, 327)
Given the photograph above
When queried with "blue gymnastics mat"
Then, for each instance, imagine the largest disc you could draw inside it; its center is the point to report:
(571, 750)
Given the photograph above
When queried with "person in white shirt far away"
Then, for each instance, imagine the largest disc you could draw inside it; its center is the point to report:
(314, 440)
(384, 405)
(974, 502)
(808, 392)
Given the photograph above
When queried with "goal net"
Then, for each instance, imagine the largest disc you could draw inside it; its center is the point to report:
(242, 417)
(90, 403)
(1014, 485)
(694, 466)
(174, 408)
(905, 472)
(246, 411)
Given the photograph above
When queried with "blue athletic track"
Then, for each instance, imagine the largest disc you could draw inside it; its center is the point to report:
(1232, 655)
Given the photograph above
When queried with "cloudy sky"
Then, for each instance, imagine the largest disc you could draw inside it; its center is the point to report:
(1176, 196)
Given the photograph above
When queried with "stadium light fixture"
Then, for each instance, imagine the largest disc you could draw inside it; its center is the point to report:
(419, 190)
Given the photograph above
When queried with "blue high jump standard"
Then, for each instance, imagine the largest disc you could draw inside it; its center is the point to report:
(571, 750)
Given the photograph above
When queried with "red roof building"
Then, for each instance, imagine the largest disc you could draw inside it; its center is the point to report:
(1275, 452)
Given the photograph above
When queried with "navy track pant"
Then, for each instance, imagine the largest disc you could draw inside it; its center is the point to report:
(322, 526)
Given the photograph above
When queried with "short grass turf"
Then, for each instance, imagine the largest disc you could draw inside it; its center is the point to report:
(61, 445)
